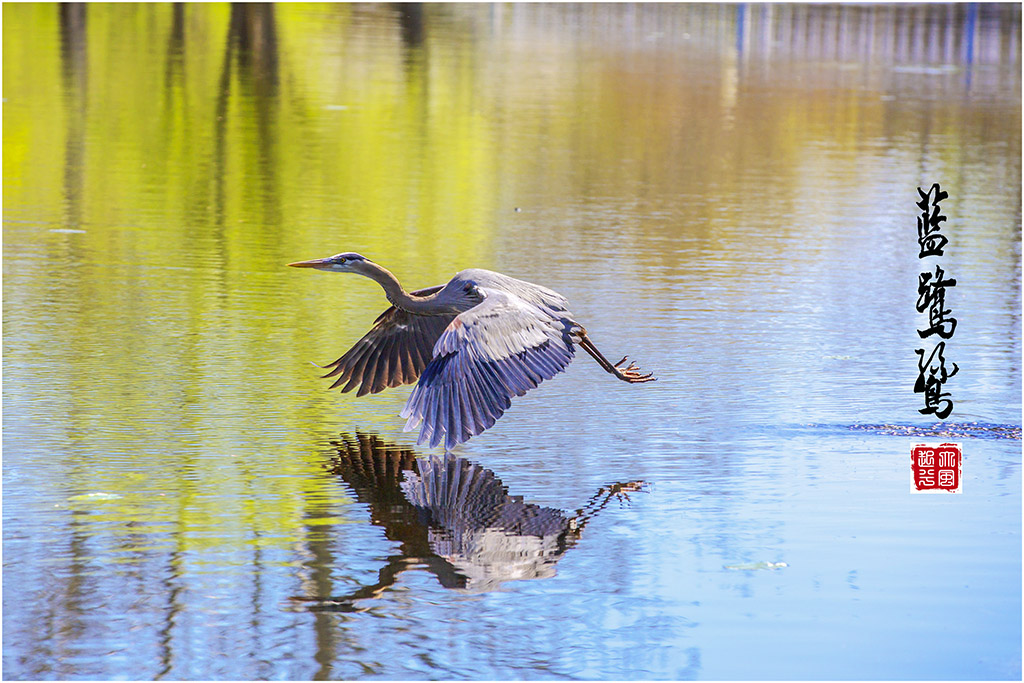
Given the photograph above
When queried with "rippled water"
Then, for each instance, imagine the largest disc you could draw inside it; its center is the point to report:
(727, 194)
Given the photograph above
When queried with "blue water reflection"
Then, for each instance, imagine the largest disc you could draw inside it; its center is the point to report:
(454, 519)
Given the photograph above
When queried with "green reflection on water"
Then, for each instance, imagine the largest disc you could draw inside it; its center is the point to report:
(187, 146)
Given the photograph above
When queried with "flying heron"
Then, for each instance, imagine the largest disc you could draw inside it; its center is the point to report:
(473, 343)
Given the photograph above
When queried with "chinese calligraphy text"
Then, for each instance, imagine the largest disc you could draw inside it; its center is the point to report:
(931, 298)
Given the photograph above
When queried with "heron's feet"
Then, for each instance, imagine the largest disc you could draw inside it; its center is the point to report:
(631, 373)
(622, 491)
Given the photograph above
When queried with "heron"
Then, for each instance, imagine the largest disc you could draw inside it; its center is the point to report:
(453, 518)
(470, 345)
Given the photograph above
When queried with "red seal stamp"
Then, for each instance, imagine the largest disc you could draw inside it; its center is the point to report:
(936, 468)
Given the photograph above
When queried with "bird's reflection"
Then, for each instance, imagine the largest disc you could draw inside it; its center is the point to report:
(454, 518)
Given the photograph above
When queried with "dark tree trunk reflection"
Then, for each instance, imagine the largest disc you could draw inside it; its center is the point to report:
(75, 73)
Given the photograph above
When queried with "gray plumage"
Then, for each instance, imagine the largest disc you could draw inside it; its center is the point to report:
(453, 518)
(472, 344)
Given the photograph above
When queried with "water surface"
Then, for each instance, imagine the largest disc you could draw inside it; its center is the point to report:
(725, 193)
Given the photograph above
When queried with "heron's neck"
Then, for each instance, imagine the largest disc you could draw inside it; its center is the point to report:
(394, 291)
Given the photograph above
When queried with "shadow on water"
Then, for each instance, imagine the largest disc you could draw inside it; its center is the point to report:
(455, 519)
(75, 76)
(251, 56)
(410, 19)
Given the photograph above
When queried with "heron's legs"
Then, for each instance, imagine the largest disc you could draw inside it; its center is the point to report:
(631, 373)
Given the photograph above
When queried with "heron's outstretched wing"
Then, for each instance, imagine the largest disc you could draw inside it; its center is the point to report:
(394, 352)
(501, 348)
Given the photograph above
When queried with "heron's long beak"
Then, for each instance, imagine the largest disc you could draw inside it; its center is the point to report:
(313, 263)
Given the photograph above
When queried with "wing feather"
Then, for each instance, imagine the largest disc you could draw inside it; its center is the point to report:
(520, 377)
(437, 430)
(465, 414)
(426, 348)
(410, 363)
(381, 376)
(394, 352)
(501, 348)
(349, 373)
(473, 401)
(356, 376)
(455, 411)
(441, 419)
(429, 423)
(487, 404)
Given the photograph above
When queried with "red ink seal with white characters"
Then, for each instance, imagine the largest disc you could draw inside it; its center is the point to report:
(936, 468)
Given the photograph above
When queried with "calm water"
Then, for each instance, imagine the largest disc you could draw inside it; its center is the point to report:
(727, 194)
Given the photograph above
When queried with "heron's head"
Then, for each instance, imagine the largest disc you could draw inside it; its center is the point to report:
(349, 262)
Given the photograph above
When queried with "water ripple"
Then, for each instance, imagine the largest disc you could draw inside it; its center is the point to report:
(957, 430)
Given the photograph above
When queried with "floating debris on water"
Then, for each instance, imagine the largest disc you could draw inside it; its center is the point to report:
(980, 430)
(99, 495)
(757, 565)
